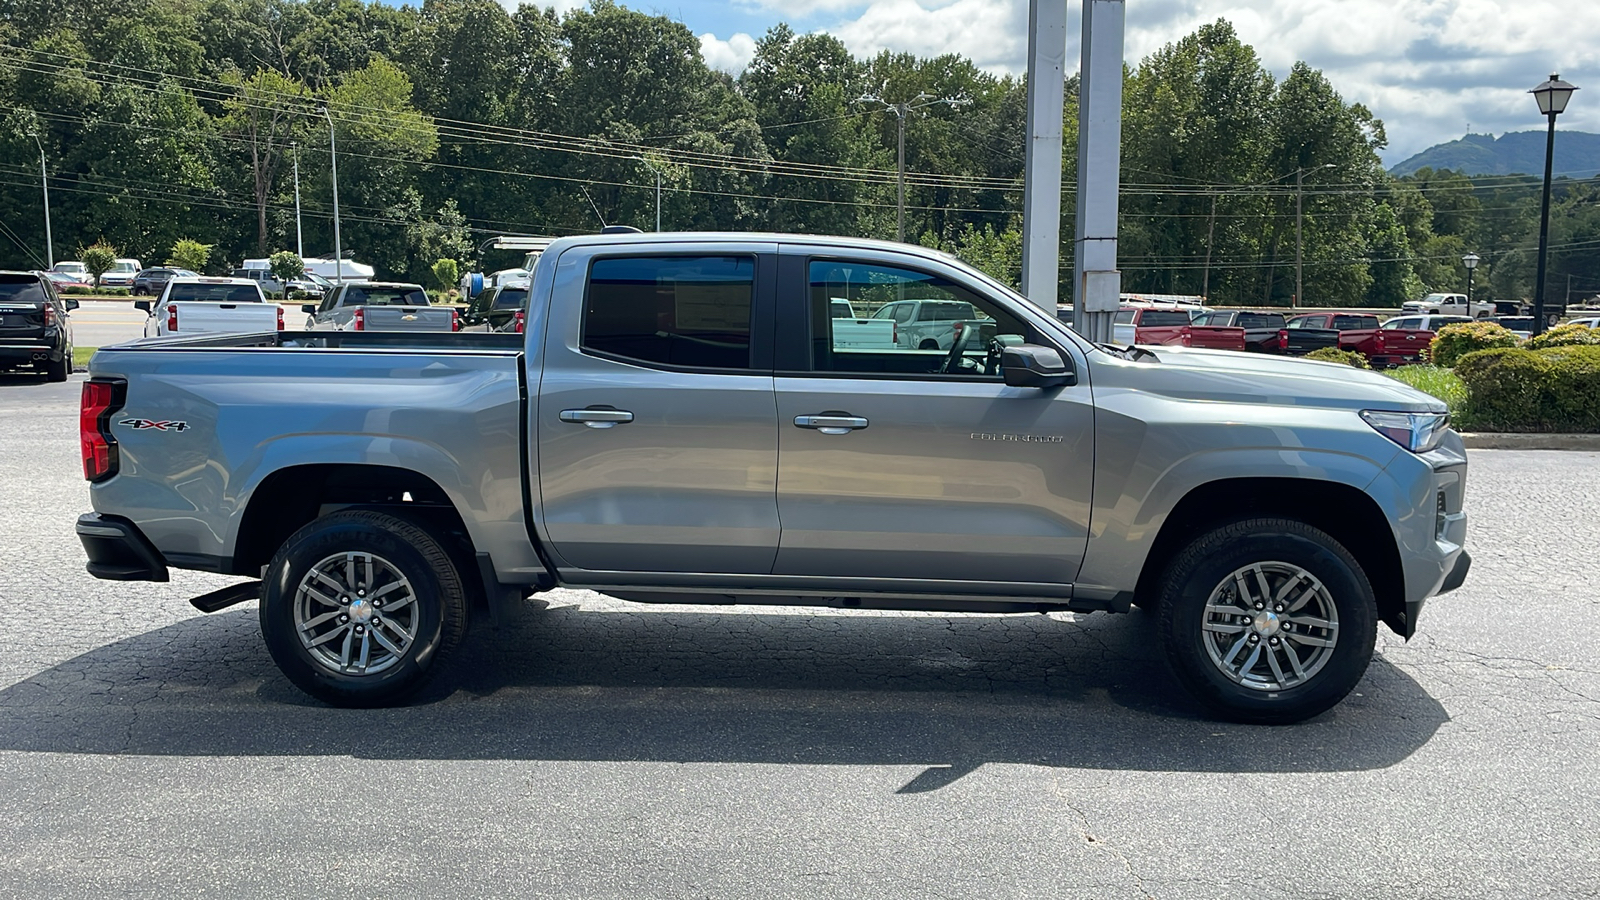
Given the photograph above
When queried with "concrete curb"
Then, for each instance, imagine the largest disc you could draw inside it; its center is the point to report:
(1495, 441)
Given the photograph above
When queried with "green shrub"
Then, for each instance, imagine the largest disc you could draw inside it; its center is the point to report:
(98, 259)
(190, 254)
(1565, 336)
(89, 290)
(286, 265)
(1454, 341)
(1335, 355)
(1554, 389)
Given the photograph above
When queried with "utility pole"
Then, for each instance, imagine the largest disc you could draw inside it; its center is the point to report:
(657, 173)
(1299, 233)
(333, 157)
(901, 111)
(44, 179)
(299, 245)
(1041, 199)
(1211, 229)
(1097, 282)
(1299, 236)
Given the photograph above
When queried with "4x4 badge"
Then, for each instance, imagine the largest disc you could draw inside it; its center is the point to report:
(142, 424)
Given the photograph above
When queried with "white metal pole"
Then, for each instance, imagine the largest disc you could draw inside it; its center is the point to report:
(900, 111)
(299, 245)
(44, 179)
(1041, 201)
(1097, 281)
(658, 200)
(333, 156)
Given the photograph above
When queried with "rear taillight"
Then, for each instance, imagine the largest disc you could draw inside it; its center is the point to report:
(520, 322)
(280, 318)
(1186, 337)
(894, 334)
(455, 320)
(1381, 341)
(1283, 339)
(172, 318)
(101, 400)
(359, 322)
(49, 315)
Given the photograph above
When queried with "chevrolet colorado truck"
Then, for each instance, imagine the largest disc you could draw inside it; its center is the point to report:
(676, 426)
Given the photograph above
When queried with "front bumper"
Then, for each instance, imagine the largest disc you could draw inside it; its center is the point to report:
(118, 550)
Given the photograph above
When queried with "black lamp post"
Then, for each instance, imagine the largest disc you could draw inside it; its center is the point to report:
(1552, 96)
(1471, 262)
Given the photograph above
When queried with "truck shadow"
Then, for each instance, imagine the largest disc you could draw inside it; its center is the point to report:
(949, 693)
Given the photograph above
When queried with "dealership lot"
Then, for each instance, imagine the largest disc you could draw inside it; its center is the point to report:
(597, 748)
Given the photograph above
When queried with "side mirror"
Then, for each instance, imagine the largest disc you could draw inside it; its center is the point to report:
(142, 305)
(309, 309)
(1032, 365)
(71, 304)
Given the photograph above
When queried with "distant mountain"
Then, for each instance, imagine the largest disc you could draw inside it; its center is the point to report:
(1513, 153)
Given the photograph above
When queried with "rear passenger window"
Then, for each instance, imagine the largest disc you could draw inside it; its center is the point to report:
(691, 311)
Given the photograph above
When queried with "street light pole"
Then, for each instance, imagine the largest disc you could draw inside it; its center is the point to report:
(44, 179)
(333, 156)
(1299, 233)
(1552, 97)
(1471, 262)
(901, 110)
(299, 245)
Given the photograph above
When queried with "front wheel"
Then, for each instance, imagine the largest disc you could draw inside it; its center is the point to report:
(1267, 620)
(361, 608)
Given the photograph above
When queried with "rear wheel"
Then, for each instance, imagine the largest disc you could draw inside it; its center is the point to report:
(1267, 620)
(362, 608)
(57, 370)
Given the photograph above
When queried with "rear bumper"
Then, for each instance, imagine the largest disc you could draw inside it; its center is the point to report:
(24, 352)
(118, 550)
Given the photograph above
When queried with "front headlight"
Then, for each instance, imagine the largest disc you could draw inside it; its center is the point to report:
(1417, 432)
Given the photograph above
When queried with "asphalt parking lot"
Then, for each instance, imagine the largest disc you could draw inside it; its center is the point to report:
(594, 748)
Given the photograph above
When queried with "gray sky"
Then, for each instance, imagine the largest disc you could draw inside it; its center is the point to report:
(1428, 68)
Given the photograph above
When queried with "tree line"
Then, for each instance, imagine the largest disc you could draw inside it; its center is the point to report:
(168, 120)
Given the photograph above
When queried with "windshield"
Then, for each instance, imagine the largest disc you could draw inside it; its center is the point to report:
(124, 265)
(1158, 318)
(70, 267)
(371, 295)
(214, 293)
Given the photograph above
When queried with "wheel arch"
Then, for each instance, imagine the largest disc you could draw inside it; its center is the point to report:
(291, 497)
(1346, 513)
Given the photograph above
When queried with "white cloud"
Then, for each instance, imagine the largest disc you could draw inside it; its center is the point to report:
(730, 55)
(1426, 67)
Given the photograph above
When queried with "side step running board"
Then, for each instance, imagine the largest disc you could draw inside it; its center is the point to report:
(228, 596)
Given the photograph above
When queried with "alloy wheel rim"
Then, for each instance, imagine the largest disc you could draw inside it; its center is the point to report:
(356, 614)
(1270, 626)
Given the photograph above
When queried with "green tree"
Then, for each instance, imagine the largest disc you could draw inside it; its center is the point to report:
(286, 265)
(190, 254)
(266, 112)
(447, 272)
(98, 259)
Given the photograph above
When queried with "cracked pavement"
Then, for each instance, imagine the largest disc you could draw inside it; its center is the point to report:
(597, 748)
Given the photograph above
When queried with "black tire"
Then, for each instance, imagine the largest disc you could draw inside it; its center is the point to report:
(928, 344)
(1209, 561)
(58, 370)
(412, 552)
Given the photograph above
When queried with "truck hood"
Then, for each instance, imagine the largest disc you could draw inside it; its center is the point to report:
(1233, 377)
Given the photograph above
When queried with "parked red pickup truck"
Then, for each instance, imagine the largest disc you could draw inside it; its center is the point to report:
(1381, 346)
(1172, 326)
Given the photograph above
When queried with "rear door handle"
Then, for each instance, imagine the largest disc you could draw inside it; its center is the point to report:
(597, 418)
(831, 424)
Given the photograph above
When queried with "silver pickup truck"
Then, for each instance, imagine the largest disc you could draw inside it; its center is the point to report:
(678, 425)
(379, 306)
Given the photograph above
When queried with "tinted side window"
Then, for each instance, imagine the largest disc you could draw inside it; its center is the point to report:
(680, 310)
(1256, 320)
(1159, 318)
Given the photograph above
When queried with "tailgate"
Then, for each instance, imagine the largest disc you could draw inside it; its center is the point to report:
(1305, 340)
(407, 318)
(195, 316)
(22, 321)
(1216, 337)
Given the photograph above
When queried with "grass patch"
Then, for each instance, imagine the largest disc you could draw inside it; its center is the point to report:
(1441, 383)
(80, 357)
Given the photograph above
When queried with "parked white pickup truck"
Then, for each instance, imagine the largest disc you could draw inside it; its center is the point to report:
(1448, 305)
(194, 305)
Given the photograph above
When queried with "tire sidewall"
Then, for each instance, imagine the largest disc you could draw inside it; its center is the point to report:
(1183, 613)
(307, 548)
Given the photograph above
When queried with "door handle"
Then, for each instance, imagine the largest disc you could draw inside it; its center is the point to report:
(597, 418)
(831, 424)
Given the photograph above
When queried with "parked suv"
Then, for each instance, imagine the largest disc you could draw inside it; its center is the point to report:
(35, 329)
(149, 282)
(498, 309)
